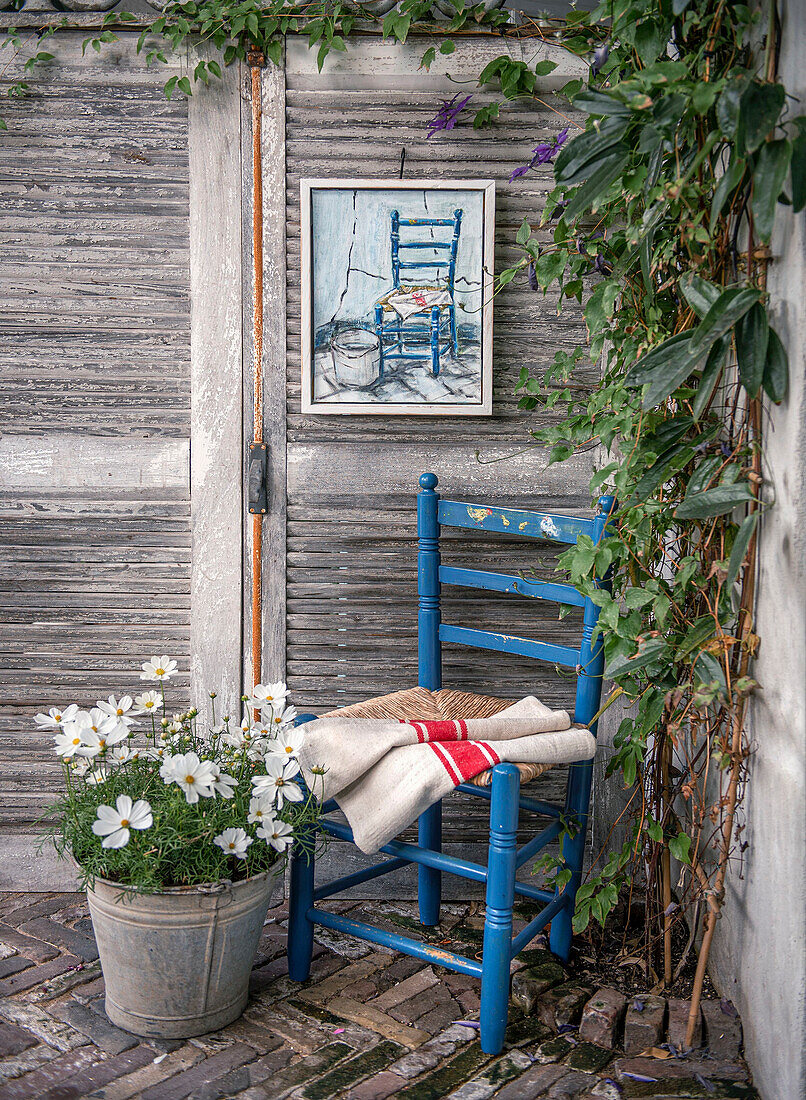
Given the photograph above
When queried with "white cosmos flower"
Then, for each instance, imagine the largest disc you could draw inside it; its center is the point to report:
(69, 741)
(284, 717)
(236, 738)
(278, 782)
(233, 842)
(269, 695)
(99, 775)
(194, 776)
(79, 766)
(223, 784)
(278, 834)
(101, 734)
(158, 668)
(122, 753)
(287, 742)
(261, 808)
(114, 824)
(56, 717)
(148, 703)
(121, 709)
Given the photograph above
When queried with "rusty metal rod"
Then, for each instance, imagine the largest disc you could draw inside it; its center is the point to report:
(255, 62)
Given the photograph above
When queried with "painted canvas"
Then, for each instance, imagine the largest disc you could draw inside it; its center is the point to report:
(397, 296)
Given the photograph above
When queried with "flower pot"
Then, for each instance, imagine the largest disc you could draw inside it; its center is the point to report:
(177, 963)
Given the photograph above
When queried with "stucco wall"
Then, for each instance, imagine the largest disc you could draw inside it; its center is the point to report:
(759, 955)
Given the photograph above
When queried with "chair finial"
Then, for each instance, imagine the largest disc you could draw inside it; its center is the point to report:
(428, 481)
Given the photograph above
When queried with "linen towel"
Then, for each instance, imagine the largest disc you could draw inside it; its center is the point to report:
(384, 774)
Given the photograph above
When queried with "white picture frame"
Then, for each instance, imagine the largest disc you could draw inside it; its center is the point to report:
(431, 352)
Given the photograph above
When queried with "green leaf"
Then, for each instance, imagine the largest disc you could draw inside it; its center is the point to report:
(524, 232)
(588, 196)
(799, 174)
(447, 46)
(649, 650)
(760, 107)
(654, 830)
(740, 544)
(598, 103)
(428, 58)
(730, 306)
(775, 379)
(728, 182)
(770, 172)
(698, 632)
(663, 368)
(699, 293)
(169, 86)
(543, 68)
(729, 103)
(714, 365)
(752, 335)
(580, 157)
(679, 847)
(183, 84)
(717, 501)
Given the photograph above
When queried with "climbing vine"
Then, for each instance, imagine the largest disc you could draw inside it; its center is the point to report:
(679, 148)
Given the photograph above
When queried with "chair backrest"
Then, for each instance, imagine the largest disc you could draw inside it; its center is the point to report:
(587, 661)
(423, 245)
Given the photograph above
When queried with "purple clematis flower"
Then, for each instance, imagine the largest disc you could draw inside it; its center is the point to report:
(543, 153)
(600, 56)
(446, 116)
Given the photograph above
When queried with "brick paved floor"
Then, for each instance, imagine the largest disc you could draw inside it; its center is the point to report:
(368, 1025)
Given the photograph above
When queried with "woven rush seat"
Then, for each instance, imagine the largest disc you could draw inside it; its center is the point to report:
(420, 705)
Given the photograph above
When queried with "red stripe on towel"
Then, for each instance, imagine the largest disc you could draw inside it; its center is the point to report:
(465, 759)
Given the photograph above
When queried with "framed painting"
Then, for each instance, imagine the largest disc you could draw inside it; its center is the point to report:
(397, 296)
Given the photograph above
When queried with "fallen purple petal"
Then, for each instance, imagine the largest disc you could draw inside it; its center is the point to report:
(728, 1008)
(638, 1077)
(469, 1023)
(532, 276)
(614, 1083)
(670, 908)
(638, 1005)
(338, 1030)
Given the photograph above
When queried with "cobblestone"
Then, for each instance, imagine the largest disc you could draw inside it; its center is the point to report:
(368, 1025)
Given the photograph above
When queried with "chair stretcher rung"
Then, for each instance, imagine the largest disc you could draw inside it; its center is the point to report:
(533, 892)
(508, 643)
(533, 846)
(411, 853)
(436, 955)
(346, 882)
(534, 926)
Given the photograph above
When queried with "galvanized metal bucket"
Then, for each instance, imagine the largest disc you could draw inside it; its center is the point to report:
(177, 963)
(356, 357)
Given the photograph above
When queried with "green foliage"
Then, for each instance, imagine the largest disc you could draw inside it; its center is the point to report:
(675, 160)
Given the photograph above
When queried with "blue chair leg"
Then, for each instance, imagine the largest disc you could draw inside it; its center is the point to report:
(500, 897)
(429, 881)
(573, 852)
(300, 929)
(379, 334)
(435, 341)
(454, 336)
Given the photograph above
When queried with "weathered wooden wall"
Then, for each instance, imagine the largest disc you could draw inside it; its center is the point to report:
(121, 210)
(351, 567)
(95, 398)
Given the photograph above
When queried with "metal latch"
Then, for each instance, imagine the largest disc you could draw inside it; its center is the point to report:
(257, 480)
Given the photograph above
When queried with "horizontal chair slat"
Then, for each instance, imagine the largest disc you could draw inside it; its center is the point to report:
(506, 582)
(507, 643)
(512, 521)
(424, 244)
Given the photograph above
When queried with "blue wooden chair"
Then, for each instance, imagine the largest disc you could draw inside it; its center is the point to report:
(406, 340)
(504, 858)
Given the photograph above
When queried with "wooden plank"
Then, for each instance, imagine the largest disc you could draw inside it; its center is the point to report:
(216, 372)
(72, 461)
(274, 369)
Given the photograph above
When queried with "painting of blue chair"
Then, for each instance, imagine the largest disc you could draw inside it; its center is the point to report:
(585, 661)
(430, 331)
